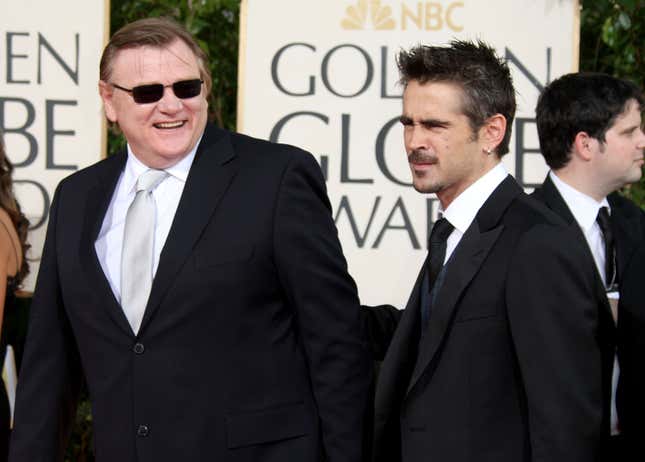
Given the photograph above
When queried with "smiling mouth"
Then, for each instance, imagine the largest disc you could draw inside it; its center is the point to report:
(170, 125)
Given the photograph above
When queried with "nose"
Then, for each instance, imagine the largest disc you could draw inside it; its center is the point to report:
(641, 140)
(169, 103)
(415, 138)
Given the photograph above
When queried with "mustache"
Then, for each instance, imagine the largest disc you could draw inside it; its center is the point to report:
(421, 156)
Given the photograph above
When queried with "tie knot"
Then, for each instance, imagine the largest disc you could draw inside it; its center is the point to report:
(440, 231)
(149, 179)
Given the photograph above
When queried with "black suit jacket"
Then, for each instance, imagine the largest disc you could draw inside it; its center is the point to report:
(249, 349)
(628, 224)
(508, 369)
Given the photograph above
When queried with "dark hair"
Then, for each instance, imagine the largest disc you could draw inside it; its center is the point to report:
(157, 33)
(10, 205)
(580, 102)
(484, 78)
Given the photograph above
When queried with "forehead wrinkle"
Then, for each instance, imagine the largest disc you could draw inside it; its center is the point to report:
(139, 66)
(152, 64)
(129, 64)
(188, 63)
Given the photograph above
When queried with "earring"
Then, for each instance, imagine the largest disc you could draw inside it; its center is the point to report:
(488, 151)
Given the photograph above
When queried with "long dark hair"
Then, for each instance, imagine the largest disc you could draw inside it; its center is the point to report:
(10, 205)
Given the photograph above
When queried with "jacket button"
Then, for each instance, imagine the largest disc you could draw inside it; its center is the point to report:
(138, 348)
(142, 430)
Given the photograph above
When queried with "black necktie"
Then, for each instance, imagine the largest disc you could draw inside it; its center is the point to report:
(437, 252)
(610, 251)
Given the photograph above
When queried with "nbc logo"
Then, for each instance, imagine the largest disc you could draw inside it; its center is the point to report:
(420, 15)
(357, 15)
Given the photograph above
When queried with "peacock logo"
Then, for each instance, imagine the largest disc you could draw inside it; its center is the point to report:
(368, 14)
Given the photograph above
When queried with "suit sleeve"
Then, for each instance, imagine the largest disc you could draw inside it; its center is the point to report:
(49, 379)
(554, 320)
(379, 324)
(313, 272)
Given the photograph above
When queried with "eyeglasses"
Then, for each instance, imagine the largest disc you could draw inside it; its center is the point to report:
(144, 94)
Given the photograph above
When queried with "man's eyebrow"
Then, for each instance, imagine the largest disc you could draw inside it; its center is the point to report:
(630, 129)
(435, 123)
(428, 123)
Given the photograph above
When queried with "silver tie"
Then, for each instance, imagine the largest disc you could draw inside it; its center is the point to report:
(138, 242)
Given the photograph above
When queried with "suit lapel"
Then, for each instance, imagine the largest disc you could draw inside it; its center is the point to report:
(210, 175)
(554, 201)
(466, 261)
(626, 231)
(98, 200)
(625, 225)
(462, 266)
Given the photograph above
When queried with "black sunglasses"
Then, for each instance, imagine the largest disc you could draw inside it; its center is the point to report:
(153, 92)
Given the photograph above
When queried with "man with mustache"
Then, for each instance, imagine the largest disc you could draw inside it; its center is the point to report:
(591, 135)
(495, 357)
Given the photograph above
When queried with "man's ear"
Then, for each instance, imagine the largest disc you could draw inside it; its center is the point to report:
(492, 132)
(583, 146)
(107, 93)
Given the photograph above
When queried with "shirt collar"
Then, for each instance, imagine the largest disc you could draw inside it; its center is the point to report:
(463, 209)
(134, 168)
(584, 208)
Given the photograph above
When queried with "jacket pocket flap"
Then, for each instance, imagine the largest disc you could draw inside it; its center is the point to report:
(266, 425)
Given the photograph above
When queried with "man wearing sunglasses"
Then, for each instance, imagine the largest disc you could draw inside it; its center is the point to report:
(196, 282)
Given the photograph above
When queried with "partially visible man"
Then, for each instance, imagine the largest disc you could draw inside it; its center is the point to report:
(591, 136)
(494, 358)
(244, 346)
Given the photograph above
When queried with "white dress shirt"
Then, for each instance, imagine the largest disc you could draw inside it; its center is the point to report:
(585, 210)
(109, 243)
(463, 209)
